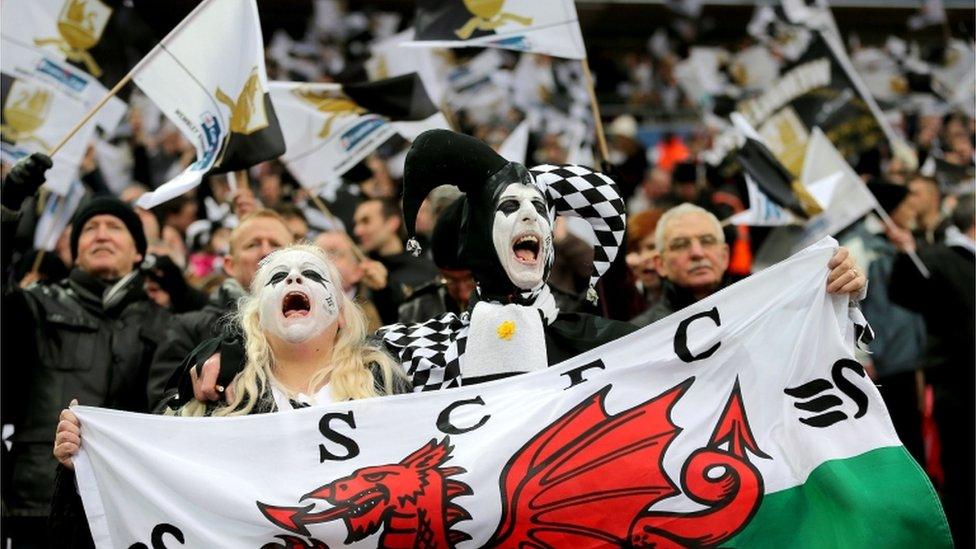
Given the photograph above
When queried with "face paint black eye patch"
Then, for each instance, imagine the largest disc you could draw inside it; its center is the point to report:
(277, 277)
(312, 275)
(540, 207)
(508, 206)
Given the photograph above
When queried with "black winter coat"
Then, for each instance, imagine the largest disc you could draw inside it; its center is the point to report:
(187, 330)
(62, 342)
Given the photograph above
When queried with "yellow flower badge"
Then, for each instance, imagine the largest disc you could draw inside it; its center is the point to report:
(506, 330)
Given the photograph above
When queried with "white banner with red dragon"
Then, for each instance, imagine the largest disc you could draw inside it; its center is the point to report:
(742, 420)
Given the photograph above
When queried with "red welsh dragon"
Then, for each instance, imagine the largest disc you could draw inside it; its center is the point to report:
(410, 499)
(587, 480)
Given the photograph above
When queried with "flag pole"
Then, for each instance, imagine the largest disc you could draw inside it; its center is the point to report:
(911, 254)
(595, 109)
(125, 79)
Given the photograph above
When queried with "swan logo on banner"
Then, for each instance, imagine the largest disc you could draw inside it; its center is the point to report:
(24, 112)
(80, 24)
(488, 16)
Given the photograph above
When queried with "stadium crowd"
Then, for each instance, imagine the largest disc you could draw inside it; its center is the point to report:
(110, 315)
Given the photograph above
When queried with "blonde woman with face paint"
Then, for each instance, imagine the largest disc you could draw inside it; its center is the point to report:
(305, 341)
(305, 344)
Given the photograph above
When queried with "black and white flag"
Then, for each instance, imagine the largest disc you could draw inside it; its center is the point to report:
(329, 128)
(208, 77)
(550, 27)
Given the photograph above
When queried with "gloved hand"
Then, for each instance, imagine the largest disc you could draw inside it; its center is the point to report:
(24, 179)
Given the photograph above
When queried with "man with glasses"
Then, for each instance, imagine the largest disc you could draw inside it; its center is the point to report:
(692, 259)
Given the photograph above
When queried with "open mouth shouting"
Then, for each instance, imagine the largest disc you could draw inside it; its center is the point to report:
(526, 248)
(295, 304)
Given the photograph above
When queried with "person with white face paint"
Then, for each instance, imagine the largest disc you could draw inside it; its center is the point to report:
(305, 344)
(521, 234)
(504, 227)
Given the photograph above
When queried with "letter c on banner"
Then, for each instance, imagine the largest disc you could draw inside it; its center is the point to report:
(681, 336)
(444, 418)
(325, 427)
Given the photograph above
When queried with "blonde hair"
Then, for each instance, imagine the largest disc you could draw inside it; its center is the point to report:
(352, 356)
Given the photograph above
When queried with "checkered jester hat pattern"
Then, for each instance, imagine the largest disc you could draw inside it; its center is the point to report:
(578, 191)
(443, 157)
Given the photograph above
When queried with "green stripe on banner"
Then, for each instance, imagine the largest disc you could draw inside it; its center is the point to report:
(878, 499)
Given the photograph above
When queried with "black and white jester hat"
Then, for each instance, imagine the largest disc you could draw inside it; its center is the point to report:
(442, 157)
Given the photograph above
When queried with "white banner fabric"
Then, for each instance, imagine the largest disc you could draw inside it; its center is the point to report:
(471, 464)
(325, 137)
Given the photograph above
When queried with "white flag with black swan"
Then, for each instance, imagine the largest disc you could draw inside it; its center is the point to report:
(328, 128)
(208, 78)
(550, 27)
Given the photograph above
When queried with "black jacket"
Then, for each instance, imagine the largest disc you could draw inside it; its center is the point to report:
(946, 301)
(406, 273)
(187, 330)
(673, 298)
(427, 301)
(61, 341)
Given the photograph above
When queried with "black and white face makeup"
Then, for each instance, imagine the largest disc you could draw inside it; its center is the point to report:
(522, 235)
(297, 298)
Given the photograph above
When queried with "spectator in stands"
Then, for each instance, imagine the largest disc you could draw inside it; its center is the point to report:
(641, 249)
(257, 235)
(90, 336)
(377, 223)
(295, 219)
(450, 291)
(899, 334)
(363, 279)
(947, 302)
(926, 199)
(692, 258)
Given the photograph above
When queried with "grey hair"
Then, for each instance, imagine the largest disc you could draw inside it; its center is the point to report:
(682, 210)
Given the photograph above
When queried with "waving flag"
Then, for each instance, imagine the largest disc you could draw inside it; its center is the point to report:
(762, 211)
(43, 98)
(550, 27)
(329, 128)
(820, 88)
(58, 211)
(36, 115)
(833, 182)
(740, 421)
(208, 78)
(21, 59)
(388, 58)
(81, 32)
